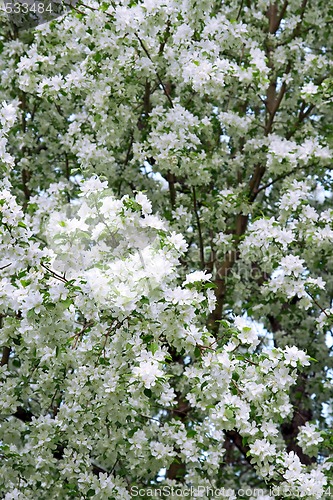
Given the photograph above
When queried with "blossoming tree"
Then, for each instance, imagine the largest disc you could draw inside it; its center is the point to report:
(166, 250)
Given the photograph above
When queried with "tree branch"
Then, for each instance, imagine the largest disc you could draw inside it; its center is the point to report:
(201, 246)
(157, 74)
(5, 356)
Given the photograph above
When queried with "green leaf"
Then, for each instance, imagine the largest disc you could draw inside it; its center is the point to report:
(147, 392)
(229, 413)
(197, 352)
(147, 338)
(191, 433)
(67, 302)
(25, 283)
(153, 347)
(97, 57)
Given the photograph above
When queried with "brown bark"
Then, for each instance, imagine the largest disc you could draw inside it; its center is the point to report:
(231, 257)
(5, 355)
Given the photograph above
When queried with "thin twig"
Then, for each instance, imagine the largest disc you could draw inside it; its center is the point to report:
(317, 304)
(157, 74)
(240, 10)
(56, 275)
(4, 267)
